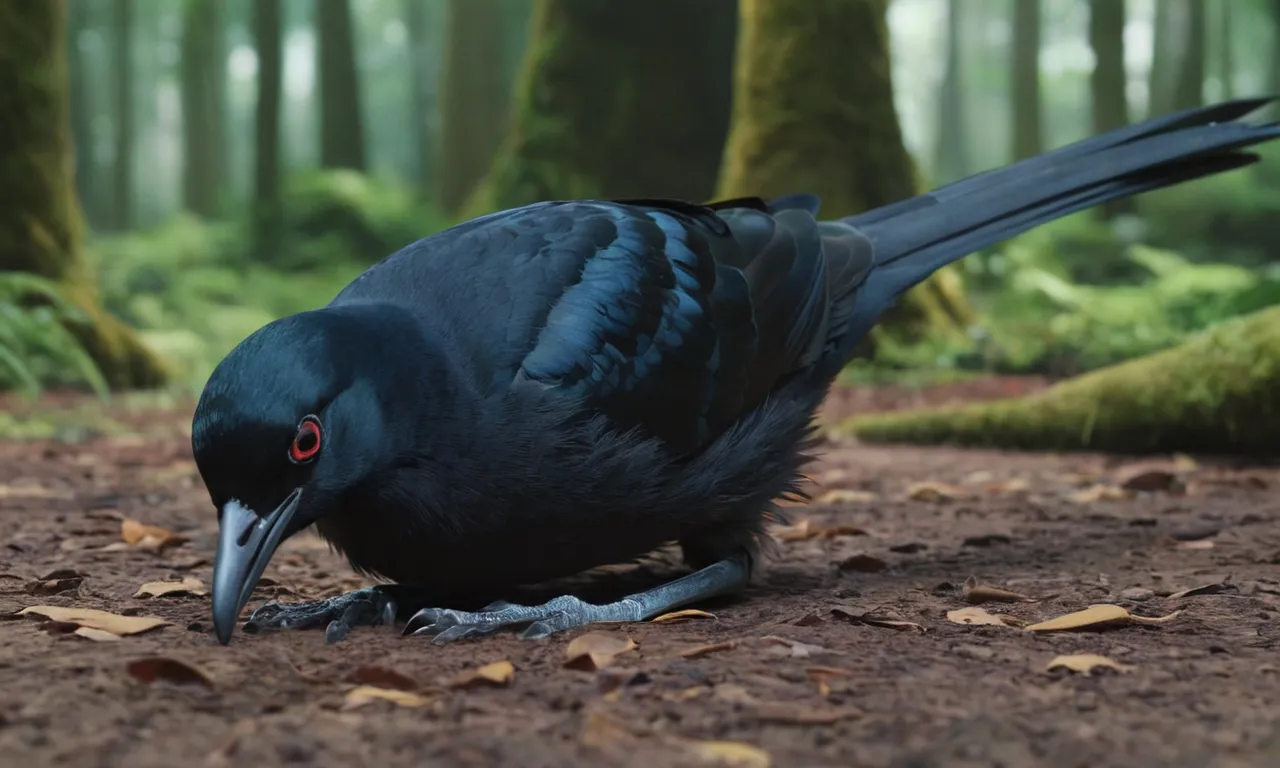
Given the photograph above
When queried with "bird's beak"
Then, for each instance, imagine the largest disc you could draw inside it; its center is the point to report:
(246, 542)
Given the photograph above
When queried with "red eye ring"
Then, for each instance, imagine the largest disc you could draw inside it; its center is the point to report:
(306, 444)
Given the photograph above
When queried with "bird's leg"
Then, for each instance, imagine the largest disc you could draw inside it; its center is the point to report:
(363, 607)
(567, 612)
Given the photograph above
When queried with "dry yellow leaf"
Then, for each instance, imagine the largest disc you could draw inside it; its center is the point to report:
(698, 651)
(729, 753)
(153, 668)
(979, 593)
(1204, 589)
(100, 635)
(802, 530)
(678, 616)
(1197, 544)
(30, 491)
(147, 536)
(188, 586)
(497, 673)
(845, 496)
(935, 492)
(1097, 493)
(95, 619)
(1098, 616)
(976, 616)
(1085, 663)
(367, 694)
(876, 620)
(596, 650)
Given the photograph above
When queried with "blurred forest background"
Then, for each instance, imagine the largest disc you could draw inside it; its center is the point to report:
(175, 173)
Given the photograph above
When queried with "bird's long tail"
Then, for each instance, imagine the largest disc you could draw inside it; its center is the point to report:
(914, 238)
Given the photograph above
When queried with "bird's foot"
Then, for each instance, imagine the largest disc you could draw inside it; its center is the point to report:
(361, 608)
(444, 625)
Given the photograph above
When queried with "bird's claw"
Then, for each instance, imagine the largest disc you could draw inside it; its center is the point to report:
(444, 625)
(361, 608)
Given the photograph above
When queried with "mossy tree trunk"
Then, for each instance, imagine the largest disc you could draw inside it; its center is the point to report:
(803, 125)
(1226, 44)
(268, 41)
(1188, 90)
(1218, 392)
(1028, 133)
(951, 153)
(122, 111)
(617, 100)
(473, 99)
(202, 67)
(40, 221)
(422, 85)
(84, 106)
(1108, 81)
(338, 83)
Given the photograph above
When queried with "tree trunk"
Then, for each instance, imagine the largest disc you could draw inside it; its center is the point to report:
(1226, 50)
(267, 35)
(83, 108)
(40, 221)
(473, 100)
(1189, 91)
(203, 86)
(617, 100)
(1108, 81)
(122, 160)
(802, 125)
(1027, 131)
(951, 159)
(338, 82)
(420, 81)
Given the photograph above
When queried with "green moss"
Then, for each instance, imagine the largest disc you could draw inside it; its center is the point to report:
(1218, 392)
(40, 221)
(801, 124)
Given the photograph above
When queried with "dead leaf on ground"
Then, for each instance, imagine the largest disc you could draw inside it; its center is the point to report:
(1097, 616)
(54, 586)
(1085, 663)
(935, 492)
(381, 677)
(498, 673)
(980, 593)
(796, 649)
(1015, 485)
(97, 635)
(1151, 480)
(146, 536)
(862, 563)
(783, 713)
(698, 651)
(596, 650)
(95, 619)
(31, 491)
(367, 694)
(802, 530)
(1096, 493)
(188, 586)
(979, 616)
(733, 753)
(678, 616)
(845, 496)
(1199, 544)
(876, 620)
(1216, 588)
(152, 668)
(822, 676)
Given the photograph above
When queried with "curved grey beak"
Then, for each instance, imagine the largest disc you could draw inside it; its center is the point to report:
(246, 542)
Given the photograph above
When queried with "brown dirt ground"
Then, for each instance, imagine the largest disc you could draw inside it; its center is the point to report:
(789, 668)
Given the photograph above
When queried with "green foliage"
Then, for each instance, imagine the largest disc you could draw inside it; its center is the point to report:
(36, 349)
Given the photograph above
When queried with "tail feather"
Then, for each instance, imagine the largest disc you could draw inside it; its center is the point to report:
(916, 237)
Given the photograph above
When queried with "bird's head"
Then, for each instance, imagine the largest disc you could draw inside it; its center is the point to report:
(296, 415)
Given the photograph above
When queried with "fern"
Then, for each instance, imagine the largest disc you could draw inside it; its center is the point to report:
(36, 347)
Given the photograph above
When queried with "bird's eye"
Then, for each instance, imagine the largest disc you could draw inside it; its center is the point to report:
(306, 444)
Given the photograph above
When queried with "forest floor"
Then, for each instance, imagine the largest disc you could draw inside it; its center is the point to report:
(845, 653)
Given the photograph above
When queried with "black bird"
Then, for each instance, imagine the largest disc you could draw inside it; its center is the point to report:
(568, 384)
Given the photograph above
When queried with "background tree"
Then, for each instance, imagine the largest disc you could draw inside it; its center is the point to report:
(122, 23)
(338, 86)
(600, 113)
(1108, 80)
(203, 97)
(801, 125)
(267, 32)
(1188, 91)
(951, 153)
(1028, 133)
(40, 221)
(421, 92)
(473, 102)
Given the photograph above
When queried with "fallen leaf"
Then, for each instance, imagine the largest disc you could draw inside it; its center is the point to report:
(802, 530)
(147, 536)
(686, 694)
(935, 492)
(1195, 545)
(596, 650)
(1097, 493)
(799, 714)
(1016, 485)
(837, 531)
(978, 593)
(845, 496)
(795, 648)
(862, 563)
(95, 619)
(31, 491)
(380, 677)
(1098, 616)
(1204, 589)
(678, 616)
(875, 620)
(498, 673)
(367, 694)
(152, 668)
(728, 753)
(54, 586)
(698, 651)
(976, 616)
(99, 635)
(188, 586)
(1085, 663)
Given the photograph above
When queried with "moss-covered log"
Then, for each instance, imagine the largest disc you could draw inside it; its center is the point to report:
(40, 220)
(617, 100)
(801, 124)
(1218, 392)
